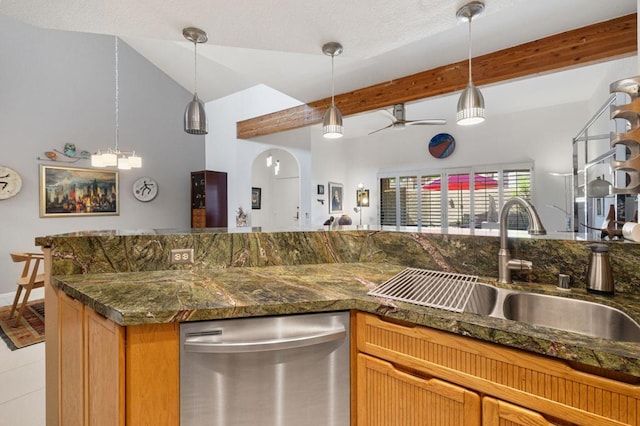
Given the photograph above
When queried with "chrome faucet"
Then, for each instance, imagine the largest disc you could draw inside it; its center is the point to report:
(505, 263)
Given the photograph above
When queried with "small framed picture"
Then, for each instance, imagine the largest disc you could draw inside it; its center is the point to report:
(362, 198)
(336, 199)
(320, 190)
(256, 198)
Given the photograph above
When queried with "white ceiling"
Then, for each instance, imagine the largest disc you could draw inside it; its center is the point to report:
(278, 42)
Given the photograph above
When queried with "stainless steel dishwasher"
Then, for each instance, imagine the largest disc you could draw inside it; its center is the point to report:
(281, 371)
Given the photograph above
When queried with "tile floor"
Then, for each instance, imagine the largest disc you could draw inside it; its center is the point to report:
(22, 400)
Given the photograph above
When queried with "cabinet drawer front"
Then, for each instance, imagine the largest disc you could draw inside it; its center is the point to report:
(543, 384)
(389, 397)
(496, 412)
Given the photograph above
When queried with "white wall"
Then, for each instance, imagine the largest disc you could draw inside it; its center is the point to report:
(542, 137)
(58, 87)
(225, 152)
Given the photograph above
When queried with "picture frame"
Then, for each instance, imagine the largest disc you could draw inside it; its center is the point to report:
(367, 201)
(336, 198)
(74, 191)
(320, 190)
(256, 198)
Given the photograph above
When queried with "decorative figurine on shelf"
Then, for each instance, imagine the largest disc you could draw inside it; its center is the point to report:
(67, 155)
(241, 218)
(70, 149)
(609, 228)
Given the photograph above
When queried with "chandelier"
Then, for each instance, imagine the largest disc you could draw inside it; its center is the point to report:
(112, 157)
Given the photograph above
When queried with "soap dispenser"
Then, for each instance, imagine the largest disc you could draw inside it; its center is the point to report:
(599, 275)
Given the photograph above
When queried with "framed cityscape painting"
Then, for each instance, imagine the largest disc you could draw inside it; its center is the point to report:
(70, 191)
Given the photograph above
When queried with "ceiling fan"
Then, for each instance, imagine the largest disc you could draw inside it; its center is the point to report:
(398, 120)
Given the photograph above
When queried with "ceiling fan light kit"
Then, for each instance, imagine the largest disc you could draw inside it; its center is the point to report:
(195, 118)
(332, 120)
(471, 102)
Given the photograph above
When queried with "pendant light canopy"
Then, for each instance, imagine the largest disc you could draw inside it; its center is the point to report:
(471, 102)
(332, 121)
(195, 119)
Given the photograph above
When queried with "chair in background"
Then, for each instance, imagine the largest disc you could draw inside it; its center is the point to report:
(29, 280)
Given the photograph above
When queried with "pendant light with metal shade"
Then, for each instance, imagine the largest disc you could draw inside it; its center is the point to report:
(332, 121)
(195, 118)
(471, 102)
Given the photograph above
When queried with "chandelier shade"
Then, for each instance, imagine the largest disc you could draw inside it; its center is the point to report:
(112, 157)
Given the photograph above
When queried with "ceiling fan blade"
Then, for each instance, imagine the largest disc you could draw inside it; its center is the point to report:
(426, 122)
(388, 115)
(386, 127)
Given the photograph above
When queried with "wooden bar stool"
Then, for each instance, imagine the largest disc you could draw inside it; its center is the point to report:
(29, 280)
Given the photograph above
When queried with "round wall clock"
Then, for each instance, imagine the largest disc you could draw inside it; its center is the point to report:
(442, 145)
(145, 189)
(10, 182)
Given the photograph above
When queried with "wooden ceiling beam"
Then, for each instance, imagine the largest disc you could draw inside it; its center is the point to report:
(595, 43)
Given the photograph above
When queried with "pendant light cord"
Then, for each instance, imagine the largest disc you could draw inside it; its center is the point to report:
(332, 81)
(470, 81)
(117, 109)
(195, 68)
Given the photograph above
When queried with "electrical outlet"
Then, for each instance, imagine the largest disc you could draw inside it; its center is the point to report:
(181, 256)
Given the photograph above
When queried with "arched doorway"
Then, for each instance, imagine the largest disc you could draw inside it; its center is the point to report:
(279, 193)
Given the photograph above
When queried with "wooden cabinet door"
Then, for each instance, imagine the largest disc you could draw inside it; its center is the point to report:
(104, 370)
(501, 413)
(71, 364)
(389, 397)
(91, 361)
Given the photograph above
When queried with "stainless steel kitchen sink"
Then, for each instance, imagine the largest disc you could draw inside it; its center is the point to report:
(483, 299)
(462, 293)
(578, 316)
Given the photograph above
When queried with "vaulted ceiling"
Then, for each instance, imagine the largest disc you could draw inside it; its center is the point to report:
(278, 42)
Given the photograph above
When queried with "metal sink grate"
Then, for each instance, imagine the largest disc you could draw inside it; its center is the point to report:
(436, 289)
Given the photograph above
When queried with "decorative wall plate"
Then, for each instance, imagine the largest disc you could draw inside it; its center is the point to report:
(145, 189)
(442, 145)
(10, 182)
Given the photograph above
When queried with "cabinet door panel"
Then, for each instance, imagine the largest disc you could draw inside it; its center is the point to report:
(71, 361)
(389, 397)
(501, 413)
(547, 385)
(104, 360)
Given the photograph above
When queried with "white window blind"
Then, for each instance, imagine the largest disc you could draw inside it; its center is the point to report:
(517, 182)
(388, 215)
(460, 199)
(431, 201)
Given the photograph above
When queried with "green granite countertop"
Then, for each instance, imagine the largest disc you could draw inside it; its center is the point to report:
(176, 296)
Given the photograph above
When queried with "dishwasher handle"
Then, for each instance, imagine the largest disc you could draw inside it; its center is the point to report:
(196, 344)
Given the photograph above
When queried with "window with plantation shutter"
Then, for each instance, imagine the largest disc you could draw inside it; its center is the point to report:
(431, 201)
(468, 198)
(388, 215)
(486, 198)
(517, 183)
(408, 189)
